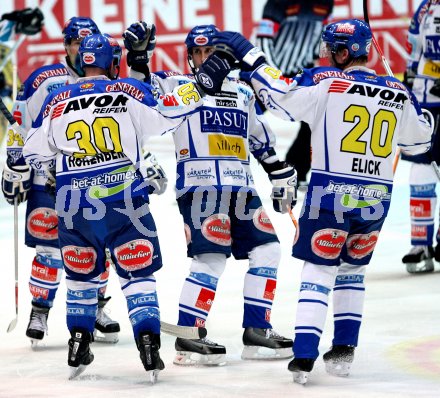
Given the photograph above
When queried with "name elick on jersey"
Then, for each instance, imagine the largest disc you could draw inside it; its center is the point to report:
(103, 103)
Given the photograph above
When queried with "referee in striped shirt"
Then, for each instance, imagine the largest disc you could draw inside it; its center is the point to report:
(289, 34)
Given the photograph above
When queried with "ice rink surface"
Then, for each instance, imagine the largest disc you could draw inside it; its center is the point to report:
(399, 347)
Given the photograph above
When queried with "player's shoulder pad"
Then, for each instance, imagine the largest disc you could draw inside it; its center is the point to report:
(319, 73)
(140, 91)
(39, 76)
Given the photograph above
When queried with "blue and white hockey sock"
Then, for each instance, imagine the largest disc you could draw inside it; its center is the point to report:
(317, 281)
(199, 288)
(348, 303)
(423, 201)
(82, 303)
(260, 284)
(47, 269)
(142, 303)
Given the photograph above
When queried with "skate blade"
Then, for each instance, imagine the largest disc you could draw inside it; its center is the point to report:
(259, 352)
(185, 358)
(35, 344)
(300, 377)
(340, 368)
(75, 372)
(420, 268)
(105, 338)
(153, 375)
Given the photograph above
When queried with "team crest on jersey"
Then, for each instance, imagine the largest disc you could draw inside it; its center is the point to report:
(361, 245)
(217, 229)
(327, 243)
(262, 221)
(78, 259)
(42, 223)
(135, 255)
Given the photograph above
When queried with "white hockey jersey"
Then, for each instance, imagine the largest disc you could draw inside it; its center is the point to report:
(424, 46)
(94, 131)
(213, 145)
(357, 119)
(27, 106)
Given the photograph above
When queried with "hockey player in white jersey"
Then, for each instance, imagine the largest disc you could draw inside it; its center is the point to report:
(41, 219)
(423, 77)
(215, 190)
(357, 120)
(93, 132)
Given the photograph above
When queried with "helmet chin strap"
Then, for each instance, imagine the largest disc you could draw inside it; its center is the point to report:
(191, 64)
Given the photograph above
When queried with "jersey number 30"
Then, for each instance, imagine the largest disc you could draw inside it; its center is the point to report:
(102, 135)
(384, 123)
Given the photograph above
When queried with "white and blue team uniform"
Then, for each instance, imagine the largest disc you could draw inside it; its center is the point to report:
(41, 219)
(424, 61)
(357, 120)
(215, 191)
(94, 132)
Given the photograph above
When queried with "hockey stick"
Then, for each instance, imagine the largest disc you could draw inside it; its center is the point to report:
(184, 332)
(10, 118)
(11, 52)
(13, 323)
(375, 43)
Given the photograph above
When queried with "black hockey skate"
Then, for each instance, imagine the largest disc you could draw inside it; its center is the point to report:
(265, 344)
(80, 355)
(437, 253)
(148, 345)
(419, 259)
(338, 360)
(108, 328)
(301, 367)
(37, 325)
(199, 352)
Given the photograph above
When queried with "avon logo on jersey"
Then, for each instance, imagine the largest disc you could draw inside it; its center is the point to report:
(372, 92)
(221, 145)
(98, 101)
(226, 121)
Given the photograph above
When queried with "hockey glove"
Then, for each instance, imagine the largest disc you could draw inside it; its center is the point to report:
(16, 182)
(435, 89)
(28, 21)
(140, 41)
(284, 189)
(51, 183)
(250, 57)
(211, 74)
(408, 78)
(157, 179)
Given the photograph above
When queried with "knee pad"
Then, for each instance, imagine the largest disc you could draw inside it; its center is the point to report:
(319, 275)
(208, 265)
(267, 255)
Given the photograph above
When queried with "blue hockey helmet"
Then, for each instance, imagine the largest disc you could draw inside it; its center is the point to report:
(96, 50)
(353, 34)
(78, 28)
(200, 36)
